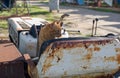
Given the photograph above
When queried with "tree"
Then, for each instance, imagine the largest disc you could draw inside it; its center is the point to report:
(99, 3)
(53, 5)
(115, 3)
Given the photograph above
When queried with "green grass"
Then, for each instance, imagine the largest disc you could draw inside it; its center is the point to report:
(39, 12)
(34, 12)
(44, 0)
(3, 24)
(12, 12)
(5, 13)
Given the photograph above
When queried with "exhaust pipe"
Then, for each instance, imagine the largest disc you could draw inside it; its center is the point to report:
(93, 28)
(96, 26)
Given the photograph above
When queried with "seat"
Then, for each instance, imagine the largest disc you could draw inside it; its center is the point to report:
(47, 43)
(34, 30)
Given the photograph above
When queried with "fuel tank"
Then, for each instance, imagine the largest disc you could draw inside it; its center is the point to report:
(94, 57)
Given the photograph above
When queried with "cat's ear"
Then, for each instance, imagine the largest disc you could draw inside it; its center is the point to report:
(56, 22)
(51, 25)
(61, 24)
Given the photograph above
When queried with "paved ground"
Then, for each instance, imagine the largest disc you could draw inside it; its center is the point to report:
(81, 19)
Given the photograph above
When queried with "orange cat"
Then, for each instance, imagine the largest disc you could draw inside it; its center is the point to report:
(50, 31)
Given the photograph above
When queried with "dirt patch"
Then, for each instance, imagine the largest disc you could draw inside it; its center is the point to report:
(3, 32)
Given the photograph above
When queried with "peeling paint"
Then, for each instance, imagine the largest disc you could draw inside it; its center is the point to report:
(79, 58)
(118, 58)
(110, 58)
(79, 43)
(47, 64)
(117, 49)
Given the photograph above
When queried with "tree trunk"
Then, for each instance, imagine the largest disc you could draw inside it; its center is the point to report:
(53, 5)
(115, 3)
(99, 3)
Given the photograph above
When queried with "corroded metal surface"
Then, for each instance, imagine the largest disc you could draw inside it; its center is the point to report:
(12, 70)
(11, 61)
(95, 57)
(8, 52)
(32, 70)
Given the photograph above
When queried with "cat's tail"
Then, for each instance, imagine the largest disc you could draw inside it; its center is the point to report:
(63, 16)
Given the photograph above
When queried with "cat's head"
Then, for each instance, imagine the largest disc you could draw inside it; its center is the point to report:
(56, 28)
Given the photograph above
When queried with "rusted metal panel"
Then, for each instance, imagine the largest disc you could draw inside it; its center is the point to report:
(8, 52)
(11, 61)
(32, 70)
(94, 57)
(11, 70)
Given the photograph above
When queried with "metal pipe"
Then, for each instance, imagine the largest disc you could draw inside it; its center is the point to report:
(73, 31)
(96, 26)
(93, 28)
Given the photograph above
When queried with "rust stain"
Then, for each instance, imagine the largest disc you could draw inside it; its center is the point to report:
(58, 46)
(47, 63)
(105, 76)
(45, 67)
(97, 49)
(89, 55)
(110, 58)
(55, 53)
(80, 43)
(117, 49)
(59, 55)
(85, 67)
(118, 58)
(90, 50)
(47, 49)
(92, 76)
(87, 45)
